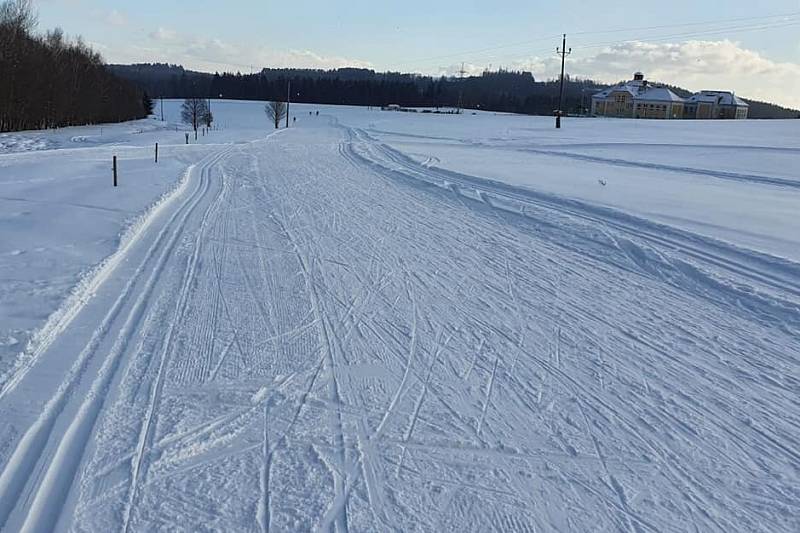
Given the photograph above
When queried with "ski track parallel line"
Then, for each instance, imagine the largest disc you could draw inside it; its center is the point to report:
(51, 493)
(146, 435)
(76, 302)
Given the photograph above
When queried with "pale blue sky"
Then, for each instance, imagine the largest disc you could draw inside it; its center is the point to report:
(693, 39)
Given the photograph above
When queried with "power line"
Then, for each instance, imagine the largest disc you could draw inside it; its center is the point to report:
(716, 31)
(478, 51)
(664, 26)
(713, 30)
(684, 35)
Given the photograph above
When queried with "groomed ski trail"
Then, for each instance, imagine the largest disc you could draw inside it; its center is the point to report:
(326, 335)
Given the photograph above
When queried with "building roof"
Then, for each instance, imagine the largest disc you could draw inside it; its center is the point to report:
(633, 87)
(644, 92)
(702, 98)
(658, 94)
(640, 89)
(625, 89)
(717, 97)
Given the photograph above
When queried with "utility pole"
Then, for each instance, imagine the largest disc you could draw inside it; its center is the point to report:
(288, 101)
(461, 88)
(564, 53)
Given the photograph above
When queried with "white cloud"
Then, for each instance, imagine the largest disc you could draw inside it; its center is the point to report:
(694, 65)
(213, 54)
(163, 34)
(455, 70)
(116, 18)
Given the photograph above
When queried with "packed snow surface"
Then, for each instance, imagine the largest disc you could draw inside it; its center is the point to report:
(380, 321)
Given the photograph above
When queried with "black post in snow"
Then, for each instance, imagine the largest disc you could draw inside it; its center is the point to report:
(564, 53)
(288, 101)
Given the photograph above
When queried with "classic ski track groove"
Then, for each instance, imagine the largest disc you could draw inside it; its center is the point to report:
(52, 489)
(146, 435)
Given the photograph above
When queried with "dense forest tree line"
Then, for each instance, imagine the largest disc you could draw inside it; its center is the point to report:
(48, 81)
(504, 91)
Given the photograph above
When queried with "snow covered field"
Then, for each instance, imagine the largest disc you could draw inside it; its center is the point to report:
(385, 321)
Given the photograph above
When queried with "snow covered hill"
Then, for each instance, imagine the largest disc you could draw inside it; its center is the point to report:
(402, 322)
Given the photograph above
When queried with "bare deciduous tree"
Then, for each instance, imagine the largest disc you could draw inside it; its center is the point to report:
(208, 117)
(194, 112)
(48, 81)
(18, 15)
(276, 111)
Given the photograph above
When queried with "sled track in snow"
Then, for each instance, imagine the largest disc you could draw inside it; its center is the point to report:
(44, 469)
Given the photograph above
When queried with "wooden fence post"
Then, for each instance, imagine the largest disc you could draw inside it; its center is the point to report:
(156, 152)
(115, 171)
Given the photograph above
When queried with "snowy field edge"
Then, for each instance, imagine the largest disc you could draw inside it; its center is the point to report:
(404, 322)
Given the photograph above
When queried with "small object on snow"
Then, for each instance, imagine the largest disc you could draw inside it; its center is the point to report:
(602, 182)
